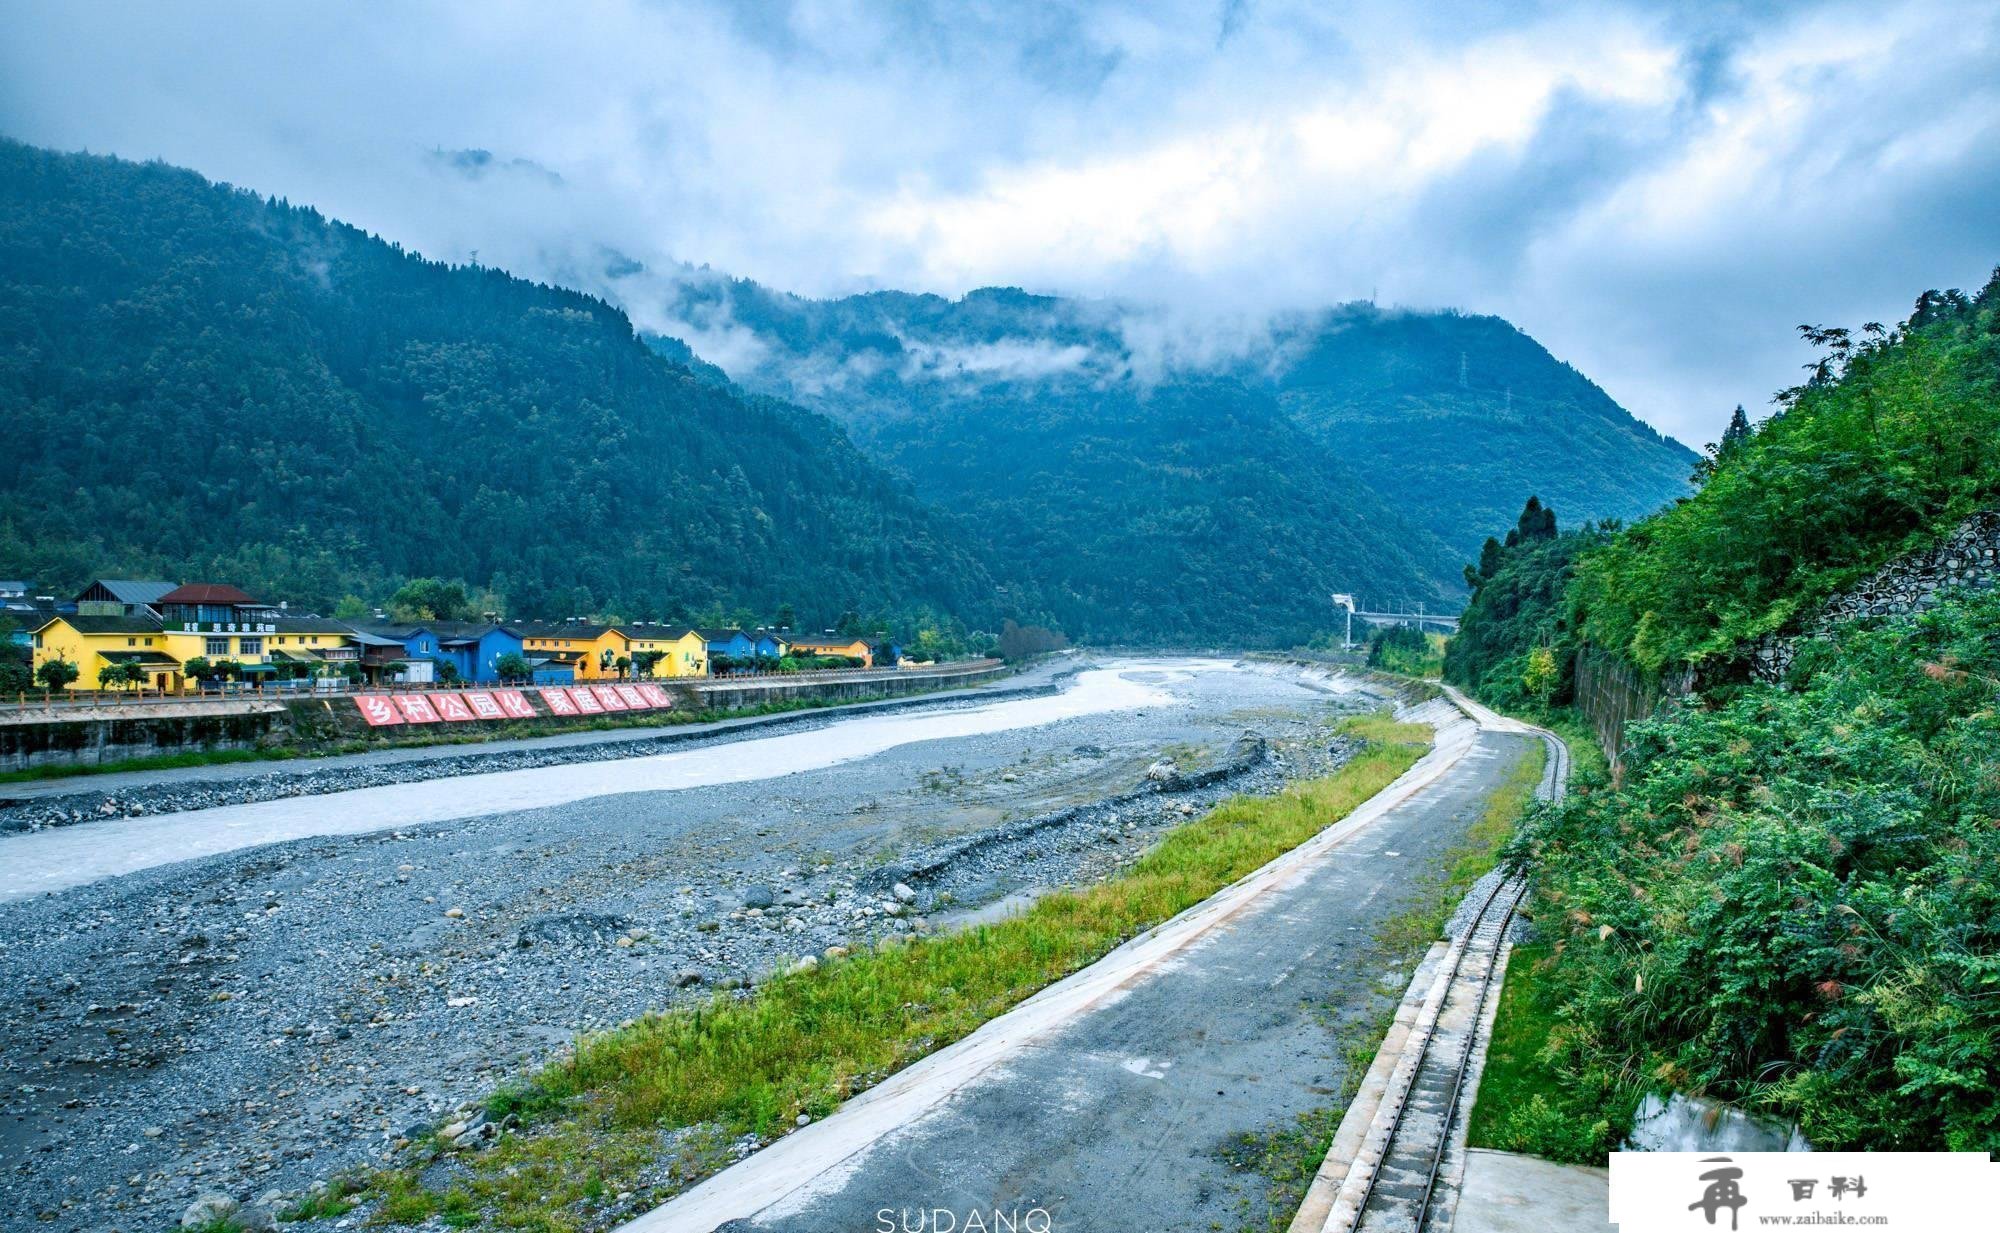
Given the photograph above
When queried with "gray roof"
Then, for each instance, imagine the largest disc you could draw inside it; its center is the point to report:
(129, 591)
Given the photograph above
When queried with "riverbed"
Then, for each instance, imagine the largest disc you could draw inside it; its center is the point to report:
(252, 997)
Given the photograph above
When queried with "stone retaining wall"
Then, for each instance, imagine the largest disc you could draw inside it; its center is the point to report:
(1969, 558)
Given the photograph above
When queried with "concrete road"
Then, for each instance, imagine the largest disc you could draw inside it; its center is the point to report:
(1113, 1112)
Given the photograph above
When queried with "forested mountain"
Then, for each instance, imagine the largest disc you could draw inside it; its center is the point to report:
(199, 382)
(1424, 428)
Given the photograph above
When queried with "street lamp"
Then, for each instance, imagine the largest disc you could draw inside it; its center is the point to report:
(1347, 602)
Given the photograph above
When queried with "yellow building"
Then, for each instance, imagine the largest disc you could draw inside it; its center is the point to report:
(834, 644)
(682, 652)
(94, 643)
(197, 621)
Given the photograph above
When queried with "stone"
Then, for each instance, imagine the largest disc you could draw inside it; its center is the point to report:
(805, 1119)
(759, 897)
(455, 913)
(806, 963)
(1160, 771)
(208, 1208)
(256, 1219)
(624, 942)
(686, 977)
(903, 893)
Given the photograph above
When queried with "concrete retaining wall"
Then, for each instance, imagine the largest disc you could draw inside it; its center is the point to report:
(89, 742)
(37, 740)
(1611, 693)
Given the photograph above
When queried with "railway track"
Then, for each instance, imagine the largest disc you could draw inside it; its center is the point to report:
(1404, 1175)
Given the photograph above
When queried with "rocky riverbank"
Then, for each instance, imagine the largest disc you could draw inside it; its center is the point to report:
(282, 781)
(263, 1020)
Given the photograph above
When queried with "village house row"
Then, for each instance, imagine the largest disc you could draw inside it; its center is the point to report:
(171, 637)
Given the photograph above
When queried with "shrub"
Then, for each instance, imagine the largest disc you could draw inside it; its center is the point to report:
(1790, 905)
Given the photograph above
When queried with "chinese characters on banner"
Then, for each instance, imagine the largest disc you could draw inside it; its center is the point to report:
(416, 709)
(381, 711)
(514, 703)
(451, 707)
(377, 710)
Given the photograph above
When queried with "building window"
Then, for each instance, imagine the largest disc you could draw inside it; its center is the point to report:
(252, 646)
(131, 642)
(217, 646)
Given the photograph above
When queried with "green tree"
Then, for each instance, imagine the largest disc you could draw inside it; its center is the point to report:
(430, 599)
(56, 675)
(512, 667)
(1541, 675)
(351, 608)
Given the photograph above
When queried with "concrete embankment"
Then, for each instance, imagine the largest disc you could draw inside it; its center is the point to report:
(72, 735)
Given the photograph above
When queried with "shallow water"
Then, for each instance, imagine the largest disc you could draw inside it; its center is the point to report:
(53, 860)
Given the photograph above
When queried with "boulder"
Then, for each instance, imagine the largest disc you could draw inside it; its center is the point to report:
(208, 1207)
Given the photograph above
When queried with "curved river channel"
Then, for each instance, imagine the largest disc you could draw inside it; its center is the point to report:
(52, 860)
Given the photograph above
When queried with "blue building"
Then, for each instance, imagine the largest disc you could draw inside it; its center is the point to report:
(767, 644)
(739, 646)
(472, 648)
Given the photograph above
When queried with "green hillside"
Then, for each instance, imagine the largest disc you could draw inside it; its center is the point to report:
(203, 383)
(1401, 435)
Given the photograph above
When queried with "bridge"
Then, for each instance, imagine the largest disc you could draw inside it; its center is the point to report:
(1404, 615)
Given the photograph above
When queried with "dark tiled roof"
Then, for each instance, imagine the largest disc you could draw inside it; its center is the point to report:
(205, 593)
(720, 635)
(148, 658)
(107, 624)
(583, 630)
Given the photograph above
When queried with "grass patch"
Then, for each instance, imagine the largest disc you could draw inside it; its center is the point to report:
(1382, 726)
(1523, 1104)
(808, 1040)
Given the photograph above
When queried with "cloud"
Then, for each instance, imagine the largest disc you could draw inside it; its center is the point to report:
(1657, 193)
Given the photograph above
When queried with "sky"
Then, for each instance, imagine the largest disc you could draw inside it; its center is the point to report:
(1659, 193)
